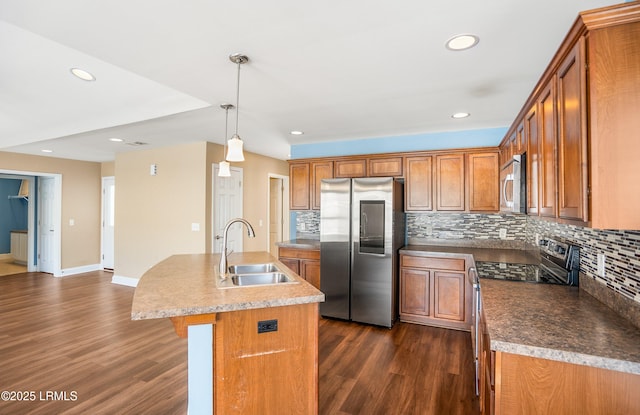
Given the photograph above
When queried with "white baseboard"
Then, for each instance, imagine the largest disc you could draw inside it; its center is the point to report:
(122, 280)
(78, 270)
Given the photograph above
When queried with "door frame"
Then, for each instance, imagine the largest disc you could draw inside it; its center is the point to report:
(105, 179)
(286, 223)
(32, 223)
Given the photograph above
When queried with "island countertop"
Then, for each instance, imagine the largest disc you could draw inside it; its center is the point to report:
(188, 284)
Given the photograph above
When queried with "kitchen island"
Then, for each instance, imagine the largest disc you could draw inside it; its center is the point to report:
(252, 349)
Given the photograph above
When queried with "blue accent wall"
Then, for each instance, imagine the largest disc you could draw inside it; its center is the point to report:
(13, 212)
(487, 137)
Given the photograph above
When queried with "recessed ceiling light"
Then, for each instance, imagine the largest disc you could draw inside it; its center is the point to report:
(296, 132)
(462, 42)
(82, 74)
(116, 140)
(47, 151)
(460, 115)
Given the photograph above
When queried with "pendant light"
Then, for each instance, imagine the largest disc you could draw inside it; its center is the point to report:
(223, 166)
(235, 144)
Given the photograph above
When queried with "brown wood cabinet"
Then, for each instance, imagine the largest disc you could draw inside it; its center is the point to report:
(547, 146)
(572, 137)
(483, 180)
(273, 372)
(418, 183)
(579, 119)
(299, 189)
(319, 171)
(384, 167)
(304, 262)
(533, 159)
(434, 291)
(450, 186)
(459, 180)
(356, 167)
(304, 183)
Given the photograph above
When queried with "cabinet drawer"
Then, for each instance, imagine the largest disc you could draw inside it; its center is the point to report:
(299, 253)
(454, 264)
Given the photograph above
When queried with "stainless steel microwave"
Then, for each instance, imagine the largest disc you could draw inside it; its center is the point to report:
(513, 185)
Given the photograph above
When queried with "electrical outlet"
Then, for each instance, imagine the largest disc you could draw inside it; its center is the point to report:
(429, 230)
(266, 326)
(301, 226)
(601, 265)
(502, 233)
(537, 239)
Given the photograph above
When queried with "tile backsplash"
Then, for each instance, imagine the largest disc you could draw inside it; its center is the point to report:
(621, 248)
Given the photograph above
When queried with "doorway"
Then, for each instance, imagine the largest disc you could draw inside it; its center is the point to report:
(108, 222)
(278, 211)
(226, 205)
(52, 209)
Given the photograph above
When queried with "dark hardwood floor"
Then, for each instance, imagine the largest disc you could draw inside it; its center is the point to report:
(72, 338)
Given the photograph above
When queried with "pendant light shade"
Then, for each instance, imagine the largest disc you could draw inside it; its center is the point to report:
(235, 149)
(223, 166)
(235, 152)
(223, 169)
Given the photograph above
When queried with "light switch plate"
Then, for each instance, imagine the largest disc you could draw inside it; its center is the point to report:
(195, 227)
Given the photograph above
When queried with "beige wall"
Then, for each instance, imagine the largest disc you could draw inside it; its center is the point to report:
(108, 169)
(153, 214)
(81, 201)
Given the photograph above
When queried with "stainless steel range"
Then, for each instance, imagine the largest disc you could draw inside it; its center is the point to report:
(559, 264)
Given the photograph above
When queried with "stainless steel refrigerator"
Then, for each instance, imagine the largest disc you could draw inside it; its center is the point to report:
(361, 232)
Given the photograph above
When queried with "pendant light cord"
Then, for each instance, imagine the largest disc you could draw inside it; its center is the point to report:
(238, 98)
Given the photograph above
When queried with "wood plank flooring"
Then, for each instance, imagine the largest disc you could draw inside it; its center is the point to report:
(74, 334)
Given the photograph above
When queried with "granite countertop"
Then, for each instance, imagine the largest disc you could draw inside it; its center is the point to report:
(558, 323)
(552, 322)
(300, 243)
(183, 285)
(518, 256)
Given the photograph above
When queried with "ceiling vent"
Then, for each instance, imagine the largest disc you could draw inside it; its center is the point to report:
(136, 143)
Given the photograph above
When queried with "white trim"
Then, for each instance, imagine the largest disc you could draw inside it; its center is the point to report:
(77, 270)
(199, 369)
(285, 207)
(122, 280)
(102, 220)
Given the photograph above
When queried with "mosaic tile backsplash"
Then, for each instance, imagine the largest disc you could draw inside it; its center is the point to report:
(621, 248)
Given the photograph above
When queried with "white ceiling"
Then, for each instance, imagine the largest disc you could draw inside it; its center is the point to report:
(335, 69)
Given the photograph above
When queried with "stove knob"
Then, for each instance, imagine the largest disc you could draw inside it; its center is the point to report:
(560, 250)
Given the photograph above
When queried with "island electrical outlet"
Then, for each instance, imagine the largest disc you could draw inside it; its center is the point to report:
(266, 326)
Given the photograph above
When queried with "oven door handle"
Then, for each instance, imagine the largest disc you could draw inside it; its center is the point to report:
(549, 271)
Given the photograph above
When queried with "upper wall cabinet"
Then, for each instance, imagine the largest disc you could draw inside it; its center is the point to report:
(450, 182)
(482, 173)
(351, 167)
(579, 124)
(418, 185)
(304, 183)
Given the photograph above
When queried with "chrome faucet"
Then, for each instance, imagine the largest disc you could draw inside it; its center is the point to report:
(222, 268)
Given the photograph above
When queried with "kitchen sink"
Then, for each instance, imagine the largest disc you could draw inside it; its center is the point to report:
(253, 268)
(261, 278)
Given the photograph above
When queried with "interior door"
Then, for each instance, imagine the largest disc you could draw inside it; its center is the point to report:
(46, 224)
(227, 204)
(108, 221)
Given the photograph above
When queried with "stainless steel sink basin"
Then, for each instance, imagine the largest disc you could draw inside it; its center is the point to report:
(263, 278)
(252, 268)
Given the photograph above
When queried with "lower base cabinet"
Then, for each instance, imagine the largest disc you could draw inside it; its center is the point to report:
(304, 262)
(435, 291)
